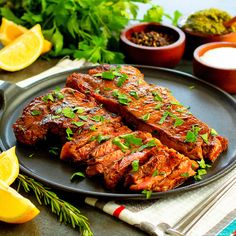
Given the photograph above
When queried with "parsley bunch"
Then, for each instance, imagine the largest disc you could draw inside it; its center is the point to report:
(87, 29)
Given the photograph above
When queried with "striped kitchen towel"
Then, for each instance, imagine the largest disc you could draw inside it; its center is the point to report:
(149, 215)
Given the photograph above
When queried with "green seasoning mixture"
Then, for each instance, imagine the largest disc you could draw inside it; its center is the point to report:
(209, 21)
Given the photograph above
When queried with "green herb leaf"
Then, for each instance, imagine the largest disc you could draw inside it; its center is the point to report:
(78, 123)
(54, 151)
(147, 193)
(158, 106)
(185, 175)
(155, 173)
(118, 143)
(68, 112)
(48, 97)
(93, 128)
(163, 118)
(36, 112)
(69, 132)
(146, 117)
(78, 110)
(84, 118)
(108, 75)
(122, 79)
(77, 174)
(134, 94)
(122, 98)
(213, 132)
(131, 139)
(101, 138)
(58, 94)
(178, 122)
(151, 143)
(97, 118)
(135, 165)
(157, 97)
(205, 138)
(192, 134)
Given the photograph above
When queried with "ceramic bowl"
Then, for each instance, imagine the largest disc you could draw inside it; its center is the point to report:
(195, 39)
(219, 76)
(163, 56)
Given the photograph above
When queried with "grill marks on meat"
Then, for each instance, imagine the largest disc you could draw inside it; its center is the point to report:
(171, 120)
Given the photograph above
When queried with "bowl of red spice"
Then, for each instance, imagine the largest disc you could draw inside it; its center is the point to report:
(153, 44)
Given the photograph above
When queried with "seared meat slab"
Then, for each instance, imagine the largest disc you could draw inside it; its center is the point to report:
(150, 108)
(93, 136)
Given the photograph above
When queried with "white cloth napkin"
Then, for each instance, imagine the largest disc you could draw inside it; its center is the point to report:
(220, 220)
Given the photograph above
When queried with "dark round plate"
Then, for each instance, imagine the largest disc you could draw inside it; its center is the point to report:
(208, 103)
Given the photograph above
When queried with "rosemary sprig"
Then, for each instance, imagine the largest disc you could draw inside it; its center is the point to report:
(66, 212)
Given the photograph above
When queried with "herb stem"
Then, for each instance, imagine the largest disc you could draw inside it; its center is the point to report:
(66, 212)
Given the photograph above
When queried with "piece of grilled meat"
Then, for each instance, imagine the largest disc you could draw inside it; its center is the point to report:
(95, 137)
(64, 113)
(150, 108)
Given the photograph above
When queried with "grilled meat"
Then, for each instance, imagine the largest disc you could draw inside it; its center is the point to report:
(150, 108)
(63, 113)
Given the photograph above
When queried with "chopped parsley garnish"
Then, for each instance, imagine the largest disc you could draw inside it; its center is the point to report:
(78, 110)
(186, 174)
(146, 117)
(97, 118)
(122, 98)
(118, 143)
(213, 132)
(147, 193)
(135, 165)
(202, 169)
(122, 78)
(192, 134)
(97, 91)
(84, 118)
(101, 138)
(156, 96)
(176, 103)
(55, 117)
(155, 173)
(92, 138)
(158, 106)
(162, 173)
(69, 133)
(205, 138)
(54, 151)
(151, 143)
(58, 94)
(134, 94)
(36, 112)
(163, 118)
(107, 89)
(178, 122)
(68, 112)
(93, 128)
(48, 97)
(112, 74)
(78, 123)
(131, 139)
(77, 174)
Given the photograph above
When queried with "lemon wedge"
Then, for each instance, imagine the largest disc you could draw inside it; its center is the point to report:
(14, 208)
(9, 166)
(9, 31)
(23, 51)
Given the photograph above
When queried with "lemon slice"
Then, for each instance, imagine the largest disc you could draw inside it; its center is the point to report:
(23, 51)
(9, 31)
(14, 207)
(9, 166)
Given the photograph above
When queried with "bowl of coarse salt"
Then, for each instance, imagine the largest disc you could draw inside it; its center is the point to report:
(216, 64)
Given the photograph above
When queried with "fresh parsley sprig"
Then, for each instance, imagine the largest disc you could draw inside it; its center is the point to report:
(66, 212)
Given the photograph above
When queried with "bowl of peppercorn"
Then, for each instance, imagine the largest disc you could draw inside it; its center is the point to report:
(153, 44)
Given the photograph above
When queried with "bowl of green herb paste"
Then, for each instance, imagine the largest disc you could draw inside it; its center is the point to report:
(206, 26)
